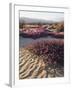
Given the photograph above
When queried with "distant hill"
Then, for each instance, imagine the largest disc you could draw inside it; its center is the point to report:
(33, 20)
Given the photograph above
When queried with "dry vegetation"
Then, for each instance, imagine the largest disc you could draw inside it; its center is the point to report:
(50, 50)
(58, 27)
(42, 30)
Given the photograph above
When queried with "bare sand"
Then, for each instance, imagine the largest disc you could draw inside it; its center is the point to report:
(33, 66)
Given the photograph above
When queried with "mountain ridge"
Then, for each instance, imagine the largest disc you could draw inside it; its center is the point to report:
(32, 20)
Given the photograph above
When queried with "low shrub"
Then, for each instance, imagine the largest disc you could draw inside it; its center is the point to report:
(52, 51)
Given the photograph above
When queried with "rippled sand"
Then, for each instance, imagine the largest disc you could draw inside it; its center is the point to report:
(33, 66)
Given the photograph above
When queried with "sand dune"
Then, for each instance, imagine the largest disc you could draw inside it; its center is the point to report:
(33, 66)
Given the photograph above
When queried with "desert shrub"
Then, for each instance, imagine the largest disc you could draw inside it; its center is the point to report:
(51, 50)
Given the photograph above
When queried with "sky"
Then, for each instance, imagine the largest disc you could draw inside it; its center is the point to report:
(51, 16)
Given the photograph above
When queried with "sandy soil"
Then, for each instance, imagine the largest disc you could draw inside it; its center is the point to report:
(33, 66)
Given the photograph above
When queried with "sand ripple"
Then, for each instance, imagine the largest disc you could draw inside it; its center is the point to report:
(32, 66)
